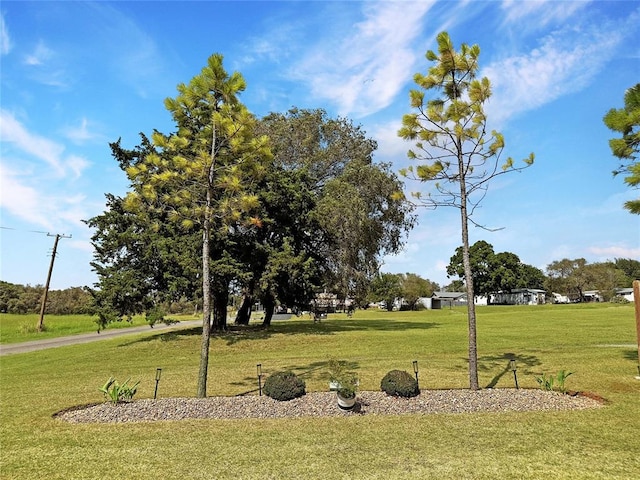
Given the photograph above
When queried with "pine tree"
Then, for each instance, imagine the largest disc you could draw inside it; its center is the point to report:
(456, 152)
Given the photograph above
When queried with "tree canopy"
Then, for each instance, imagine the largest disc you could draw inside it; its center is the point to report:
(495, 272)
(626, 121)
(276, 208)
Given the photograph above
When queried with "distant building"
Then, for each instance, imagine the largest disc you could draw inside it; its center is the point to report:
(626, 293)
(448, 299)
(557, 298)
(592, 296)
(519, 296)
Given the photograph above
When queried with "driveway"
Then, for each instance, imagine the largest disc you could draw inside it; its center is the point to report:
(34, 345)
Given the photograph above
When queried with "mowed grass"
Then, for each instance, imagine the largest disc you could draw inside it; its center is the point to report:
(23, 328)
(597, 342)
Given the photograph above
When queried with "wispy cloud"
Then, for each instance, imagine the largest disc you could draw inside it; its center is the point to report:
(5, 40)
(37, 163)
(615, 251)
(362, 72)
(539, 12)
(564, 62)
(40, 55)
(134, 56)
(13, 133)
(24, 201)
(81, 133)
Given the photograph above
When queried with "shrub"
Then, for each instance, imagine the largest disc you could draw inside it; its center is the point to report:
(399, 384)
(284, 386)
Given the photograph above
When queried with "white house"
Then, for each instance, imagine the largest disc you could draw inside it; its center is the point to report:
(557, 298)
(626, 293)
(520, 296)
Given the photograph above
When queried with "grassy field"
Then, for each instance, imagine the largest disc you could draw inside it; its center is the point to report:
(23, 328)
(597, 342)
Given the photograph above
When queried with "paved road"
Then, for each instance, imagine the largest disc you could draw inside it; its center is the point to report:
(13, 348)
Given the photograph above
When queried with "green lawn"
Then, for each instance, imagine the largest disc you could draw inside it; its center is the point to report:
(597, 342)
(22, 328)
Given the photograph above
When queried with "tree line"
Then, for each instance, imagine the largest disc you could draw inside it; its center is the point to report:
(493, 272)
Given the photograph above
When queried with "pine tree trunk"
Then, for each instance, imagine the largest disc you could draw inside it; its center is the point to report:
(468, 276)
(206, 311)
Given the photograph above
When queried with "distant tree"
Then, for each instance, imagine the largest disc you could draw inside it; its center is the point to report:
(605, 277)
(20, 298)
(459, 157)
(415, 287)
(346, 211)
(455, 286)
(386, 287)
(481, 254)
(495, 272)
(70, 301)
(626, 121)
(27, 299)
(569, 277)
(531, 277)
(631, 269)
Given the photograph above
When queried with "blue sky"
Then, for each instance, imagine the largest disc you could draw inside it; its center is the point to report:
(77, 75)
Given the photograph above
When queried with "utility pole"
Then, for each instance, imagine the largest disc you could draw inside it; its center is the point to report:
(46, 287)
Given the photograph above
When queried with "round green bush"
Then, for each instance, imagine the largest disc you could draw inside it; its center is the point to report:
(284, 386)
(399, 384)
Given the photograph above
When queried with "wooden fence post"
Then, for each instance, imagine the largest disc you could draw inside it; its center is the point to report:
(636, 300)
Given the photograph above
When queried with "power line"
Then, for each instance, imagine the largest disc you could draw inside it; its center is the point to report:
(29, 231)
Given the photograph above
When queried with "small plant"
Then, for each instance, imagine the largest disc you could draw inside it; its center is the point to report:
(284, 386)
(115, 392)
(344, 382)
(561, 378)
(399, 383)
(552, 383)
(546, 383)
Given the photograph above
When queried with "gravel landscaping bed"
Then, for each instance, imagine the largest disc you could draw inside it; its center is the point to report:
(323, 404)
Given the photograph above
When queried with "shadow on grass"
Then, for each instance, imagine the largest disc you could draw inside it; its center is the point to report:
(502, 364)
(238, 333)
(309, 372)
(631, 355)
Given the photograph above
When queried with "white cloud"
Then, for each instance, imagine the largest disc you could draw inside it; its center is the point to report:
(12, 131)
(81, 133)
(390, 146)
(52, 153)
(5, 40)
(539, 12)
(564, 62)
(39, 56)
(615, 251)
(363, 72)
(22, 200)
